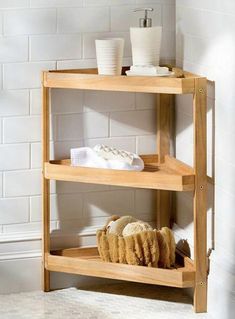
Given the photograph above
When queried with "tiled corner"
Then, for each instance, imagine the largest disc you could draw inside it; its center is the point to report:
(38, 35)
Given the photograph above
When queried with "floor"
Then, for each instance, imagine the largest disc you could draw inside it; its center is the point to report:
(116, 301)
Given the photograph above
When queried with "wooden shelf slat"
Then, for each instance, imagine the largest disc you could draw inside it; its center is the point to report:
(170, 175)
(86, 261)
(88, 79)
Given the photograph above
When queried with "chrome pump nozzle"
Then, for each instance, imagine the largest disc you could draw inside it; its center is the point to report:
(145, 22)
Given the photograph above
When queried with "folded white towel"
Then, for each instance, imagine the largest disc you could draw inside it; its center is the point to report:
(100, 158)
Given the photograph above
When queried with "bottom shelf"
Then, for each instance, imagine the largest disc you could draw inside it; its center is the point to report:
(86, 261)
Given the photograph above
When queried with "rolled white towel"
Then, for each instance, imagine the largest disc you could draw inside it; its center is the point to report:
(100, 158)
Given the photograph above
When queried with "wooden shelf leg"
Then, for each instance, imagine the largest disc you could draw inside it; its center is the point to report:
(200, 196)
(165, 119)
(45, 190)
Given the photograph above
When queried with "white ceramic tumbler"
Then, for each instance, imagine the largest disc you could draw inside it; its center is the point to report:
(109, 55)
(146, 45)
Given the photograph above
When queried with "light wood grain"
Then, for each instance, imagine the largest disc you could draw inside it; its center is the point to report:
(161, 172)
(178, 165)
(90, 81)
(86, 261)
(155, 176)
(45, 187)
(200, 195)
(165, 116)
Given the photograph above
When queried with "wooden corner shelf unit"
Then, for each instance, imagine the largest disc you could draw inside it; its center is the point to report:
(162, 173)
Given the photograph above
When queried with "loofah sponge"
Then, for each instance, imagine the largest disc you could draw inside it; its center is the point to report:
(136, 227)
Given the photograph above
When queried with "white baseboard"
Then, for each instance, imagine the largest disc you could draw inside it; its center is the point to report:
(25, 275)
(20, 275)
(28, 244)
(20, 260)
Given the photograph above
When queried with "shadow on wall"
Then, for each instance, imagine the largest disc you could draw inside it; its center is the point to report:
(86, 119)
(213, 54)
(78, 205)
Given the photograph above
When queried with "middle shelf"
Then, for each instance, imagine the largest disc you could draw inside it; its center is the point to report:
(172, 174)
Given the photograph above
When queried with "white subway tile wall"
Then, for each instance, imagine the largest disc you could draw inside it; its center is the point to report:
(145, 101)
(94, 19)
(63, 206)
(21, 129)
(14, 102)
(0, 74)
(14, 4)
(14, 156)
(1, 22)
(205, 33)
(58, 47)
(38, 35)
(14, 49)
(65, 101)
(133, 123)
(1, 130)
(22, 183)
(24, 75)
(35, 101)
(146, 144)
(79, 126)
(19, 208)
(1, 188)
(129, 18)
(108, 101)
(29, 21)
(99, 204)
(55, 3)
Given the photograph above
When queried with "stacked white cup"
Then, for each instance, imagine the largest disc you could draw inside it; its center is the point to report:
(109, 55)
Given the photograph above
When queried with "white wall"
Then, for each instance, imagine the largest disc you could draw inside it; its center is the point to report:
(43, 34)
(205, 33)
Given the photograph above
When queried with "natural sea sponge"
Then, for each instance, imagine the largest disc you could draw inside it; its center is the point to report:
(169, 237)
(164, 251)
(136, 227)
(138, 249)
(152, 248)
(116, 226)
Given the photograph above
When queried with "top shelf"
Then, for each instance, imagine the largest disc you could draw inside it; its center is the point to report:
(88, 79)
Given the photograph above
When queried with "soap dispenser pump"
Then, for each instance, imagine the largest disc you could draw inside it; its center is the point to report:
(145, 41)
(144, 22)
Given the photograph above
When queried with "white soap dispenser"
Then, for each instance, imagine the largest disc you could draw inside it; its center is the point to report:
(145, 41)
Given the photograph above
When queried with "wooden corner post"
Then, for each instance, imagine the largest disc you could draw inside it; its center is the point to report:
(200, 194)
(165, 120)
(45, 187)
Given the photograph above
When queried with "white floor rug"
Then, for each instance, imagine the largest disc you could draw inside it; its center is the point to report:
(117, 301)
